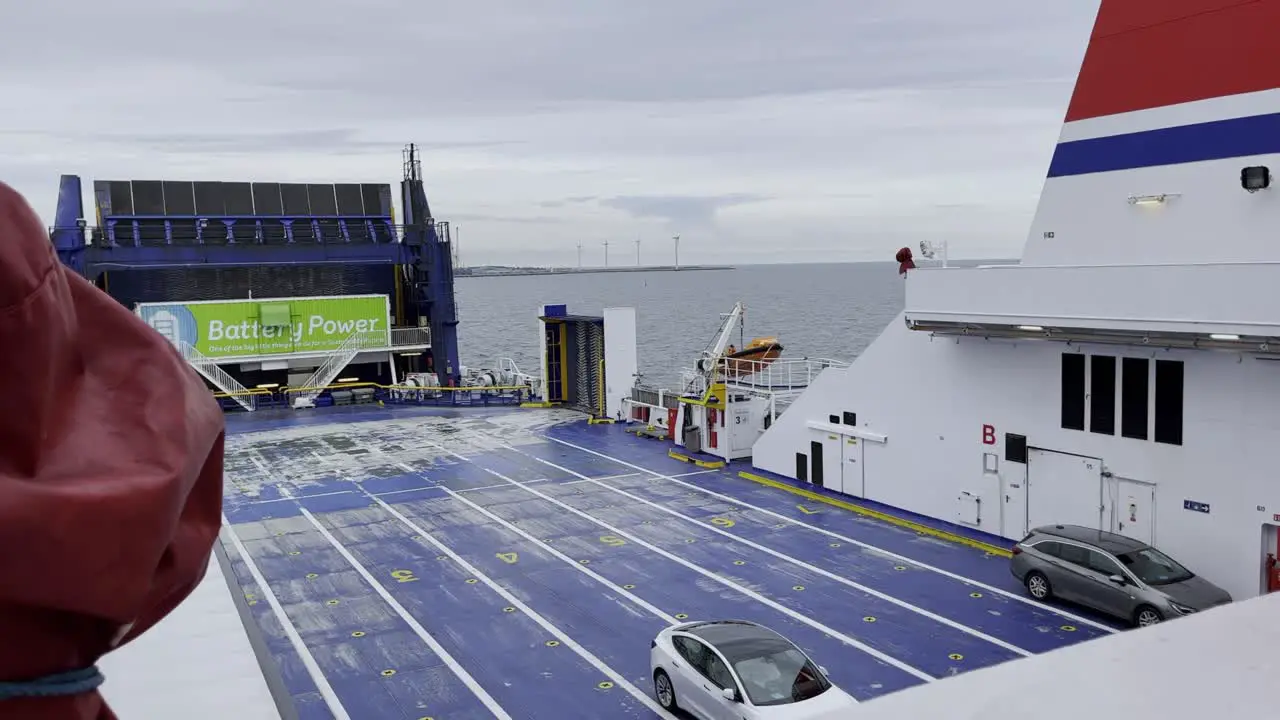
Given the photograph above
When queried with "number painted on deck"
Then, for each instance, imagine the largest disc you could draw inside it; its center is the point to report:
(722, 522)
(612, 540)
(404, 576)
(508, 558)
(806, 510)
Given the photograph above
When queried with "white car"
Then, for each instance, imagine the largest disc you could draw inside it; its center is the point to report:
(738, 670)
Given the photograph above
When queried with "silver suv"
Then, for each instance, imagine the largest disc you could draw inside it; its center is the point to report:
(1110, 573)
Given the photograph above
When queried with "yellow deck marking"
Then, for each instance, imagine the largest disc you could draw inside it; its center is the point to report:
(876, 514)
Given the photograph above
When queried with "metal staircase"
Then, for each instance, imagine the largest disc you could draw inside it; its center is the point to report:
(208, 367)
(335, 363)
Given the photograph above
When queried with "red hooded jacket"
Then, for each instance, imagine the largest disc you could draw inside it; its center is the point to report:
(110, 472)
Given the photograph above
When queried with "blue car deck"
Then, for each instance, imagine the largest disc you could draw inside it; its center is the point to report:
(452, 564)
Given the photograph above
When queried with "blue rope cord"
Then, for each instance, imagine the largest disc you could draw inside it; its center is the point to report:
(74, 682)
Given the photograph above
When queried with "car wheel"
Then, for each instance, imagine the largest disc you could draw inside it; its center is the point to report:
(1038, 585)
(662, 688)
(1146, 615)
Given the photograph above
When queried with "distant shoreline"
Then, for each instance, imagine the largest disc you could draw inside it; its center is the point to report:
(493, 271)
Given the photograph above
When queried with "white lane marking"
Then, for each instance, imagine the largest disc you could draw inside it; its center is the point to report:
(300, 497)
(695, 472)
(406, 490)
(844, 538)
(304, 654)
(800, 563)
(799, 617)
(671, 620)
(426, 637)
(587, 655)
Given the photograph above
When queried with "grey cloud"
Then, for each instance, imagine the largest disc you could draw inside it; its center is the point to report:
(832, 128)
(509, 54)
(680, 211)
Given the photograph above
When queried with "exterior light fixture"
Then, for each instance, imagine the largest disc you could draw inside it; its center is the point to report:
(1031, 328)
(1255, 178)
(1223, 336)
(347, 380)
(1160, 199)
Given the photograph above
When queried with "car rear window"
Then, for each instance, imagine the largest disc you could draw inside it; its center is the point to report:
(1073, 554)
(1049, 547)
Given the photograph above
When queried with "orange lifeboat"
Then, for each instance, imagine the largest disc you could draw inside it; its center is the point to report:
(753, 358)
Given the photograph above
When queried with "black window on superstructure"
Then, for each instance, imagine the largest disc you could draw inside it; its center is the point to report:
(1072, 391)
(1169, 398)
(1102, 394)
(1135, 377)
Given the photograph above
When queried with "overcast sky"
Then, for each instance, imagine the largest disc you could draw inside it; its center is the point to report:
(760, 131)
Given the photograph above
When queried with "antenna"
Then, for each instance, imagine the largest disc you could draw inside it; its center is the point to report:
(637, 252)
(606, 253)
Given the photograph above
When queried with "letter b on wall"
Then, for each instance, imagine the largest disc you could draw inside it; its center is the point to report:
(988, 434)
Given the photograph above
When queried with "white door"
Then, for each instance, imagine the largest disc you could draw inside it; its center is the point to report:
(1063, 489)
(740, 429)
(852, 479)
(831, 456)
(1013, 487)
(1133, 512)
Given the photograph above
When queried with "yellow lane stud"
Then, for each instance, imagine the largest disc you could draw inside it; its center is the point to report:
(605, 685)
(797, 587)
(358, 633)
(472, 581)
(956, 656)
(739, 562)
(899, 567)
(330, 602)
(508, 609)
(388, 673)
(628, 587)
(835, 545)
(868, 619)
(294, 552)
(552, 643)
(975, 594)
(681, 616)
(1068, 628)
(312, 576)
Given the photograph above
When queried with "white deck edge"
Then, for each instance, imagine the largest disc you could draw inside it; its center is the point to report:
(199, 663)
(1222, 663)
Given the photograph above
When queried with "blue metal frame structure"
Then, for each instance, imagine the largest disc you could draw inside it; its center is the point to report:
(423, 246)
